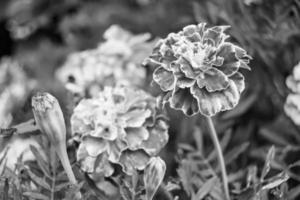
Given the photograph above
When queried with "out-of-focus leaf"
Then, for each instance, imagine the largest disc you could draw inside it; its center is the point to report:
(36, 195)
(5, 190)
(224, 143)
(39, 181)
(206, 188)
(244, 105)
(275, 181)
(274, 137)
(41, 162)
(294, 192)
(269, 160)
(235, 152)
(185, 175)
(61, 186)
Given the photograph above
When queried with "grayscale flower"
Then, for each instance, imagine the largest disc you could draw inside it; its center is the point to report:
(120, 126)
(198, 70)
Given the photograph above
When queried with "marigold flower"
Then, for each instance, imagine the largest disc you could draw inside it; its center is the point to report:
(292, 104)
(120, 126)
(197, 70)
(113, 62)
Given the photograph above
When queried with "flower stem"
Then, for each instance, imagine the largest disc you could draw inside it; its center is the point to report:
(63, 156)
(217, 145)
(53, 165)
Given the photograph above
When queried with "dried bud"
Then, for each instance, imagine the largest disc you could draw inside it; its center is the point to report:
(49, 117)
(50, 120)
(153, 176)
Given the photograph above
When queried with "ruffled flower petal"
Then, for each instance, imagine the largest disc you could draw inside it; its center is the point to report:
(136, 118)
(134, 160)
(87, 162)
(182, 99)
(94, 146)
(158, 138)
(213, 80)
(103, 166)
(135, 137)
(211, 103)
(292, 107)
(164, 78)
(231, 63)
(293, 84)
(115, 149)
(239, 81)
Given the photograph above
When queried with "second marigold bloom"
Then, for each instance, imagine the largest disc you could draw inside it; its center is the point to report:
(197, 70)
(120, 126)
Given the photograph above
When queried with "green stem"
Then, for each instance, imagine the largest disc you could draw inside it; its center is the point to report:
(63, 156)
(53, 160)
(217, 145)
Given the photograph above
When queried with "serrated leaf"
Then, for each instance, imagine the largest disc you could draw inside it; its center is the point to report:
(39, 181)
(36, 195)
(236, 152)
(61, 186)
(206, 188)
(269, 160)
(41, 162)
(275, 181)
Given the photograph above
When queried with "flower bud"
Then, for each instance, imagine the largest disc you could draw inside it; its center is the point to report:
(153, 176)
(49, 118)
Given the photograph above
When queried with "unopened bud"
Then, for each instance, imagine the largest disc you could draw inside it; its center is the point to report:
(50, 120)
(153, 176)
(49, 117)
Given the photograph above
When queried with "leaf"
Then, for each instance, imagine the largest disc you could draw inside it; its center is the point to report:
(5, 190)
(236, 152)
(61, 186)
(39, 181)
(224, 143)
(274, 137)
(275, 181)
(206, 188)
(293, 193)
(269, 160)
(36, 195)
(41, 162)
(185, 174)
